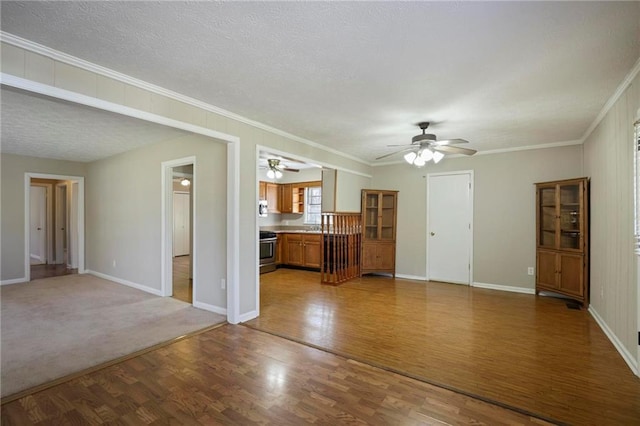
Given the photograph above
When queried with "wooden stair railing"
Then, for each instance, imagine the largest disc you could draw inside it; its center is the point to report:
(340, 247)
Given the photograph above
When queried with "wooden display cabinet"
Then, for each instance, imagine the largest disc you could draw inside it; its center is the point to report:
(562, 237)
(379, 221)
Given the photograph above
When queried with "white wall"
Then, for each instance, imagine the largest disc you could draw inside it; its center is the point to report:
(504, 209)
(13, 169)
(609, 161)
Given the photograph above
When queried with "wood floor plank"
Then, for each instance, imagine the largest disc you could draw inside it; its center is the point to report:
(528, 352)
(237, 375)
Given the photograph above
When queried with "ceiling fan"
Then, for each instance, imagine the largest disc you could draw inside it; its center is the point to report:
(426, 147)
(275, 169)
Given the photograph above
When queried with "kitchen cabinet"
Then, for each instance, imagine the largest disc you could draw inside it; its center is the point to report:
(562, 238)
(286, 205)
(379, 221)
(291, 198)
(300, 249)
(279, 244)
(262, 190)
(273, 197)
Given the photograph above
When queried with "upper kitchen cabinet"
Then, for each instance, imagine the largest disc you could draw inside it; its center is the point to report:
(273, 197)
(562, 230)
(292, 197)
(262, 190)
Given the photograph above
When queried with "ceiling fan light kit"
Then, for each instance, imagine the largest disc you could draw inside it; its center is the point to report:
(426, 147)
(275, 168)
(271, 174)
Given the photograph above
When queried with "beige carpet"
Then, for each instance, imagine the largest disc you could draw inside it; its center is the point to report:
(57, 326)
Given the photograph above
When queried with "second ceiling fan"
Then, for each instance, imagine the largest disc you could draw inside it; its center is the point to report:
(426, 147)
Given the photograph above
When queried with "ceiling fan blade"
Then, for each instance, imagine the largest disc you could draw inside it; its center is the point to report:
(396, 152)
(449, 141)
(454, 149)
(405, 144)
(287, 169)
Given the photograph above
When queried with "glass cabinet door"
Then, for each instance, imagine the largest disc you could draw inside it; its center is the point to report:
(570, 232)
(387, 217)
(547, 215)
(371, 206)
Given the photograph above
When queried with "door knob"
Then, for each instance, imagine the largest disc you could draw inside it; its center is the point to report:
(433, 233)
(39, 229)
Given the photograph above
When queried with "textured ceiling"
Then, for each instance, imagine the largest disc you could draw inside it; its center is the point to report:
(357, 76)
(38, 126)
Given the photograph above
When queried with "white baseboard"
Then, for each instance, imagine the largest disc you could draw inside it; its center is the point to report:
(144, 288)
(411, 277)
(14, 281)
(626, 355)
(211, 308)
(248, 316)
(505, 288)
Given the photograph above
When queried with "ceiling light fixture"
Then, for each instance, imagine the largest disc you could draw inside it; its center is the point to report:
(274, 173)
(185, 182)
(427, 147)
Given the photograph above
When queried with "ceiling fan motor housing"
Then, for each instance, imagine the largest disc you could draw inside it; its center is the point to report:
(428, 137)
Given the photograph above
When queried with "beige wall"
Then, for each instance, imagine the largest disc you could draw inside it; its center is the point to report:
(609, 161)
(123, 221)
(504, 209)
(349, 188)
(12, 218)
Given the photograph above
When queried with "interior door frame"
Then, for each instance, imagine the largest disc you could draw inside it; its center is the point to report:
(60, 201)
(471, 214)
(166, 276)
(48, 251)
(79, 180)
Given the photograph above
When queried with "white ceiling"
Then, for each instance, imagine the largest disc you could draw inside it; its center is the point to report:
(356, 76)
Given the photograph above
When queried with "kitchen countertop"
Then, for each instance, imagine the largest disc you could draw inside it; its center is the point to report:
(299, 231)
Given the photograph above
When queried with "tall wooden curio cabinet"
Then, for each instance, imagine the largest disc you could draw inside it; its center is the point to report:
(562, 223)
(379, 218)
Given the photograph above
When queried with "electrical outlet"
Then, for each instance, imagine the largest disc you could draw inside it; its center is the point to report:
(530, 270)
(223, 283)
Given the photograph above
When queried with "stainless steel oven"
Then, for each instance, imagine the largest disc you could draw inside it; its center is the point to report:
(268, 241)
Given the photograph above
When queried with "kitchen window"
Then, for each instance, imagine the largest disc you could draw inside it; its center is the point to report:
(312, 205)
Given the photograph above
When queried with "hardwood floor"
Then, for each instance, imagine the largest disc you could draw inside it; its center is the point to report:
(182, 284)
(236, 375)
(48, 270)
(531, 353)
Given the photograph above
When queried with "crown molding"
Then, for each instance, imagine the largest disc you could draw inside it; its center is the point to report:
(613, 99)
(56, 55)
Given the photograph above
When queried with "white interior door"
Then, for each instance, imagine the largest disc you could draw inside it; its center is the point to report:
(38, 224)
(181, 216)
(449, 227)
(61, 223)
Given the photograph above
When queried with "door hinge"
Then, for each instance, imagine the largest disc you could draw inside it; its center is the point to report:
(638, 338)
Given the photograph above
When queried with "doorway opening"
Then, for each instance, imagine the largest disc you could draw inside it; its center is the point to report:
(179, 255)
(54, 225)
(182, 274)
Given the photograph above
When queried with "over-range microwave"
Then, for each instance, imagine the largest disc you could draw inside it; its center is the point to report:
(262, 208)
